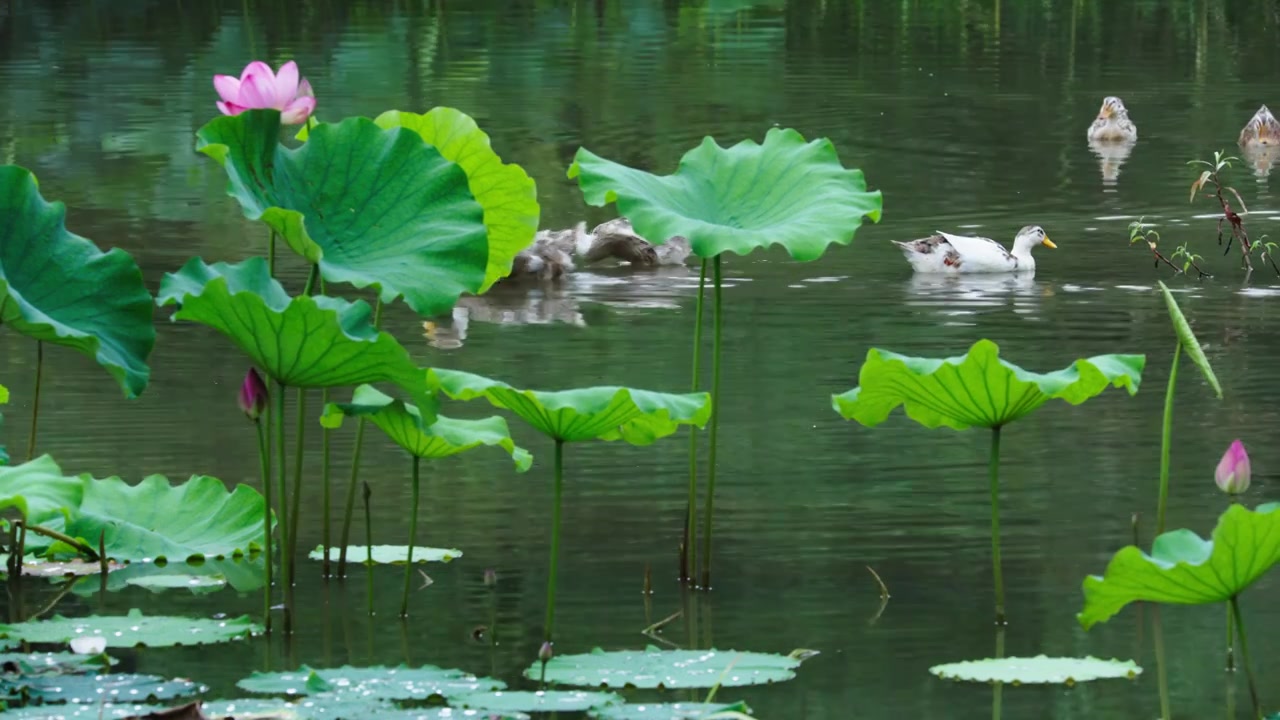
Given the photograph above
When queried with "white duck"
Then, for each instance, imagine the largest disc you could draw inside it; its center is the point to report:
(1113, 123)
(946, 253)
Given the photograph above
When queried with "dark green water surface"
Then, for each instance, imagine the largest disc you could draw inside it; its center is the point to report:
(969, 115)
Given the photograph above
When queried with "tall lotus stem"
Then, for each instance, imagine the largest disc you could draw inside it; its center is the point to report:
(1244, 657)
(368, 543)
(277, 422)
(1162, 674)
(35, 401)
(549, 626)
(264, 457)
(689, 555)
(324, 479)
(271, 254)
(299, 435)
(717, 321)
(413, 537)
(997, 573)
(1166, 440)
(355, 468)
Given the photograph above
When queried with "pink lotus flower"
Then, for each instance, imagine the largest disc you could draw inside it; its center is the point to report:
(1234, 471)
(258, 88)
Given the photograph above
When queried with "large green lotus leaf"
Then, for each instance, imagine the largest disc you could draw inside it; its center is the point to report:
(302, 342)
(1037, 670)
(58, 287)
(1184, 569)
(88, 711)
(403, 423)
(4, 400)
(123, 687)
(154, 520)
(134, 629)
(655, 668)
(374, 207)
(389, 554)
(242, 574)
(506, 192)
(56, 663)
(39, 490)
(977, 389)
(386, 683)
(322, 706)
(786, 192)
(1190, 345)
(671, 711)
(544, 701)
(606, 413)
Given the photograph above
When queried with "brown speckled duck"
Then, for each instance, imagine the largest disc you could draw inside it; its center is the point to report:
(1113, 123)
(1262, 130)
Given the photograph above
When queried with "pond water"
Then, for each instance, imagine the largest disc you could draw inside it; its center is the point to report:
(969, 116)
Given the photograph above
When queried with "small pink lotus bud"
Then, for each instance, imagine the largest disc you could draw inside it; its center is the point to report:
(253, 395)
(545, 652)
(1233, 471)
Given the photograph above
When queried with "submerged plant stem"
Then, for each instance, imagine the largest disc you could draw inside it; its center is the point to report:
(277, 421)
(35, 401)
(558, 493)
(1166, 439)
(264, 458)
(1244, 657)
(709, 506)
(689, 559)
(299, 446)
(355, 468)
(1162, 674)
(996, 571)
(413, 537)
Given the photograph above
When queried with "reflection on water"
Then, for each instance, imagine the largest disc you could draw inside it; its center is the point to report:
(1111, 156)
(965, 294)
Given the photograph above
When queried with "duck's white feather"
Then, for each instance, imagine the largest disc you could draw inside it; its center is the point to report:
(957, 254)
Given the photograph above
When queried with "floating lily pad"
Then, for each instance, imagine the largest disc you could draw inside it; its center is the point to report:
(124, 687)
(448, 713)
(88, 711)
(134, 629)
(668, 711)
(244, 574)
(655, 668)
(373, 207)
(39, 490)
(639, 417)
(1037, 670)
(324, 706)
(977, 389)
(785, 191)
(389, 554)
(385, 683)
(404, 424)
(1184, 569)
(55, 662)
(33, 566)
(58, 287)
(548, 701)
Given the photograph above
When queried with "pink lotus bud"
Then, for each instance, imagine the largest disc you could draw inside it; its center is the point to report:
(259, 88)
(253, 395)
(1233, 471)
(545, 652)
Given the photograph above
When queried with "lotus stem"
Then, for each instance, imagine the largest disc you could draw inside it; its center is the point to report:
(1244, 656)
(413, 537)
(271, 254)
(264, 458)
(1166, 435)
(277, 421)
(368, 544)
(689, 554)
(549, 626)
(1231, 639)
(709, 509)
(299, 446)
(80, 547)
(1162, 674)
(355, 467)
(311, 279)
(324, 479)
(996, 571)
(35, 401)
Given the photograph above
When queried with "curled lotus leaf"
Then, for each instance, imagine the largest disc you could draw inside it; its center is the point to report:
(638, 417)
(1037, 670)
(59, 288)
(1185, 569)
(977, 389)
(389, 554)
(673, 711)
(301, 342)
(542, 701)
(134, 630)
(1190, 345)
(384, 683)
(39, 490)
(655, 668)
(786, 192)
(404, 424)
(373, 207)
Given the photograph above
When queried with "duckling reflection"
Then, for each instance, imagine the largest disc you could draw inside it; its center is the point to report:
(970, 294)
(1111, 156)
(538, 307)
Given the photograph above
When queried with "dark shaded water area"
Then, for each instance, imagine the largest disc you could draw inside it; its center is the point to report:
(969, 116)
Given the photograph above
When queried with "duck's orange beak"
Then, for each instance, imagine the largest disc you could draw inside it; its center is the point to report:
(1106, 112)
(1048, 243)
